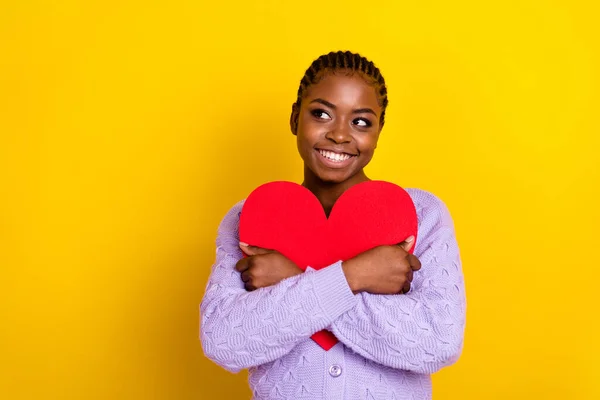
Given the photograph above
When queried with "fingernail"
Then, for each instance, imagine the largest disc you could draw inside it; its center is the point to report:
(410, 239)
(244, 244)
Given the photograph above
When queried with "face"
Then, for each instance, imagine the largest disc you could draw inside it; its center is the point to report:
(337, 126)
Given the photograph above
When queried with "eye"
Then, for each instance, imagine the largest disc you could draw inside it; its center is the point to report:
(362, 122)
(320, 114)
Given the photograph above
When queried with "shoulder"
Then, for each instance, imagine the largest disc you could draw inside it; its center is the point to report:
(229, 226)
(431, 210)
(232, 215)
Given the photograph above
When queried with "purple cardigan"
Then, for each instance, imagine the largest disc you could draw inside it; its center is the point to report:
(388, 344)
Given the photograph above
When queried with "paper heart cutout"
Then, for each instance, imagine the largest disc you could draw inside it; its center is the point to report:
(287, 217)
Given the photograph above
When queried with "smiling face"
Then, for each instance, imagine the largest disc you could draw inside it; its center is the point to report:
(337, 127)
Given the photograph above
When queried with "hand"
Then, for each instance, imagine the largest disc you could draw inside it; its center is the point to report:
(383, 269)
(264, 267)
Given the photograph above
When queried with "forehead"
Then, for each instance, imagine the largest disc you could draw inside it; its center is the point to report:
(343, 87)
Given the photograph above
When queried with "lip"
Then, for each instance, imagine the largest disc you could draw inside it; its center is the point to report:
(339, 151)
(334, 164)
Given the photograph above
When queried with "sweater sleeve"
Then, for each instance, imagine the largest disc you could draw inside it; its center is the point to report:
(240, 329)
(421, 331)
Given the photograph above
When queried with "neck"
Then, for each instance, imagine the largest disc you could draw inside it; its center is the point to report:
(329, 192)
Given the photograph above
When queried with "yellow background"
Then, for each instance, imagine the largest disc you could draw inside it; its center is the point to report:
(128, 129)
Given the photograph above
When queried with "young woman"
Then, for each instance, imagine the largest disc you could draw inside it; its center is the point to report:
(398, 317)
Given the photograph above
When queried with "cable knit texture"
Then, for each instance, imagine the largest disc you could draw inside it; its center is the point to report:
(389, 344)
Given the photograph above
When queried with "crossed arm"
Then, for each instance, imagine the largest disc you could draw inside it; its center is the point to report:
(420, 331)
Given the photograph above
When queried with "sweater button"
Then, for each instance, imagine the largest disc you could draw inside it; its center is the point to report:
(335, 371)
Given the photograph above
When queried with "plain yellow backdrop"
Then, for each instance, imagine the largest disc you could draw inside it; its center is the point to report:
(129, 128)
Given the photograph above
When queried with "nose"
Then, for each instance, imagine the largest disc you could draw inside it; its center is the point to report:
(339, 134)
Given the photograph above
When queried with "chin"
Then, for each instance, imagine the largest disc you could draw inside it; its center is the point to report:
(328, 179)
(334, 177)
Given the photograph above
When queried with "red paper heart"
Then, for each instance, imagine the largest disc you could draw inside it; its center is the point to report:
(287, 217)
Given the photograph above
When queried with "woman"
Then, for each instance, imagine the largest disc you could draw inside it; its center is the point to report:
(398, 317)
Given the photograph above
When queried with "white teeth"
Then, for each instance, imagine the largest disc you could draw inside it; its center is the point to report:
(334, 156)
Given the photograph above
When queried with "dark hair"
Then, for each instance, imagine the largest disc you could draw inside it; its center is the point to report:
(340, 60)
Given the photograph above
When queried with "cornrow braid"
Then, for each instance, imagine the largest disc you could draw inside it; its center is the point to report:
(345, 60)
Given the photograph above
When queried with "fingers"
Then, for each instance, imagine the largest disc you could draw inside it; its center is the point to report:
(243, 264)
(246, 276)
(414, 262)
(253, 250)
(415, 265)
(406, 287)
(408, 243)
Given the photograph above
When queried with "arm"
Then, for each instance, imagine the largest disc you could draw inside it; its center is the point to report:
(421, 331)
(241, 329)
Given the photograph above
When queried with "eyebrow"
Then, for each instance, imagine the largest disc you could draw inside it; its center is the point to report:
(332, 106)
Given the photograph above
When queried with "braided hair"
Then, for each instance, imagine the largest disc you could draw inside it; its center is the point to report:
(343, 60)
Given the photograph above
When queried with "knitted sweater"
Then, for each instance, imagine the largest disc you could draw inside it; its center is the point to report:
(388, 344)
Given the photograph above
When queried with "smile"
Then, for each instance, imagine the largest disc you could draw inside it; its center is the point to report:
(335, 157)
(334, 160)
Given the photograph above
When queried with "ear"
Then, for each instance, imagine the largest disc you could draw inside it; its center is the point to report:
(294, 118)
